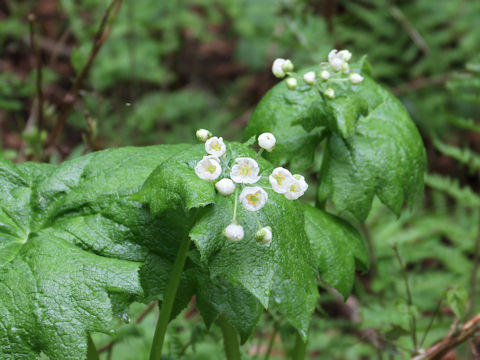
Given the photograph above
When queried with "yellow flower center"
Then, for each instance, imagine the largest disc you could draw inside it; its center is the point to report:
(216, 146)
(293, 188)
(210, 168)
(279, 178)
(253, 198)
(245, 170)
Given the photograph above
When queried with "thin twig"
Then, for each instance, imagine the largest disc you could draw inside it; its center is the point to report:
(139, 319)
(434, 315)
(451, 340)
(272, 340)
(420, 83)
(413, 319)
(474, 277)
(417, 39)
(38, 65)
(72, 95)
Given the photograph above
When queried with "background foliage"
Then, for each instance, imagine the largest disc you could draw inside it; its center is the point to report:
(169, 68)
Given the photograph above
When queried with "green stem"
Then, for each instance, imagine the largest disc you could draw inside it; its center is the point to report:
(230, 339)
(169, 298)
(235, 206)
(300, 349)
(92, 353)
(413, 320)
(272, 340)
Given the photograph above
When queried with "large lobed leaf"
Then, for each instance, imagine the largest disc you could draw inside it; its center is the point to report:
(284, 272)
(372, 148)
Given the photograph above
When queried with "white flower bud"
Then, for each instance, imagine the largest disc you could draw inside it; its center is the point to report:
(355, 78)
(345, 54)
(234, 232)
(277, 68)
(335, 60)
(287, 66)
(203, 135)
(325, 75)
(346, 68)
(225, 187)
(291, 83)
(309, 78)
(330, 93)
(264, 235)
(267, 141)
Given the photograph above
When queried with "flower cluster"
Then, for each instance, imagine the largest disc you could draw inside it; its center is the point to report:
(337, 69)
(245, 174)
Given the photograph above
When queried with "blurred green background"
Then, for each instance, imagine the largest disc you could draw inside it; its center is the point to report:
(171, 67)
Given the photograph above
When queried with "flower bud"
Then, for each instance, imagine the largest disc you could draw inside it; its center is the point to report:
(287, 66)
(234, 232)
(277, 68)
(355, 78)
(325, 75)
(345, 54)
(346, 68)
(309, 78)
(225, 187)
(264, 235)
(291, 83)
(330, 93)
(203, 135)
(267, 141)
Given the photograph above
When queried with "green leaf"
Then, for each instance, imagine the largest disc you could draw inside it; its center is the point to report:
(279, 112)
(457, 299)
(217, 296)
(339, 249)
(71, 246)
(283, 272)
(373, 148)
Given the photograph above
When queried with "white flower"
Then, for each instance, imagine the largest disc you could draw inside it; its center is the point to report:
(287, 66)
(234, 232)
(253, 198)
(309, 78)
(215, 146)
(245, 171)
(280, 179)
(267, 141)
(225, 187)
(335, 60)
(325, 75)
(345, 54)
(264, 235)
(330, 93)
(277, 68)
(297, 188)
(203, 135)
(208, 168)
(291, 83)
(355, 78)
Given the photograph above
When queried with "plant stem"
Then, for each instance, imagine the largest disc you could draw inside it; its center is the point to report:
(230, 339)
(300, 349)
(169, 298)
(272, 340)
(92, 353)
(437, 310)
(413, 320)
(235, 206)
(474, 278)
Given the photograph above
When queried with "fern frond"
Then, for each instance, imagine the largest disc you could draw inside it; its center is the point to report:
(465, 156)
(451, 187)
